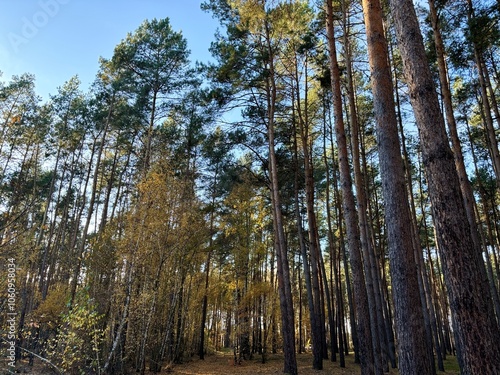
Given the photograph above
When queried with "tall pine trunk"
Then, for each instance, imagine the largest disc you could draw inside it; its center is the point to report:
(477, 333)
(283, 270)
(362, 306)
(317, 328)
(414, 356)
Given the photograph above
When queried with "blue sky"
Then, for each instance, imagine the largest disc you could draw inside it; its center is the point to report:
(57, 39)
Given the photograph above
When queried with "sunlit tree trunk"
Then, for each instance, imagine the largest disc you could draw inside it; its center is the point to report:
(371, 267)
(414, 357)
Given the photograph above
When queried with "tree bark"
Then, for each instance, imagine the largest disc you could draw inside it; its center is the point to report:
(360, 293)
(317, 328)
(380, 344)
(477, 333)
(414, 356)
(283, 271)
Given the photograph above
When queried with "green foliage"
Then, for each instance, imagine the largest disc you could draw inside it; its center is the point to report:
(483, 31)
(77, 347)
(203, 202)
(153, 59)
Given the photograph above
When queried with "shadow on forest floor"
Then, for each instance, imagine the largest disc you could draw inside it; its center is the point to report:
(223, 364)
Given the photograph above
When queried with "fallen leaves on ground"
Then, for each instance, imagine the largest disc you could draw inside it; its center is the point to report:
(223, 364)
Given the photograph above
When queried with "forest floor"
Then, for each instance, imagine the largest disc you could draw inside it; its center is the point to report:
(223, 364)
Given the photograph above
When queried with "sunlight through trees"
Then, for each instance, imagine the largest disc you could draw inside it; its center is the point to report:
(328, 184)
